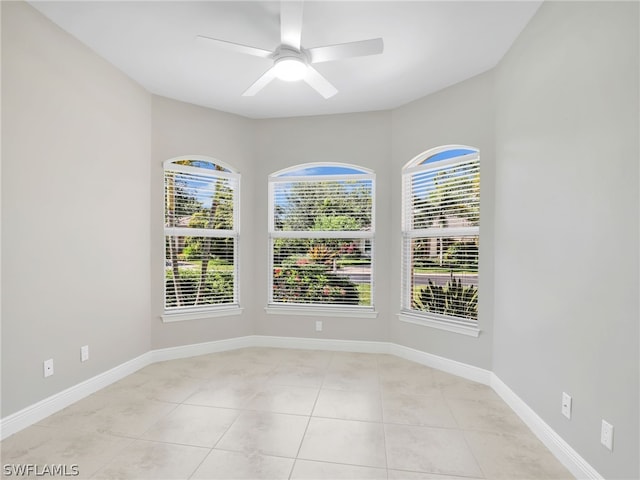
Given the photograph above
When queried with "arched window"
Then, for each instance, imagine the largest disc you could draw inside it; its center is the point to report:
(440, 228)
(201, 235)
(321, 229)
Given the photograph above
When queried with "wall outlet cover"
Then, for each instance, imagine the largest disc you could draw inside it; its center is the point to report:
(48, 367)
(566, 405)
(606, 435)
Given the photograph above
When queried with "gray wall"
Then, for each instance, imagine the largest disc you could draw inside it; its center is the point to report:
(180, 129)
(461, 114)
(557, 128)
(75, 210)
(566, 224)
(362, 139)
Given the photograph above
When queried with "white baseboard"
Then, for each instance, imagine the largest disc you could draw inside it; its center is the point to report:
(36, 412)
(360, 346)
(561, 449)
(464, 370)
(195, 349)
(577, 465)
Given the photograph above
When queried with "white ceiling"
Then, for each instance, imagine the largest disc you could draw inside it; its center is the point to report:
(428, 45)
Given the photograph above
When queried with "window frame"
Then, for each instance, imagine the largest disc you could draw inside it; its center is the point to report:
(230, 173)
(311, 309)
(407, 314)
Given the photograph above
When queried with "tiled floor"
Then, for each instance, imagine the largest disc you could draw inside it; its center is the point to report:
(288, 414)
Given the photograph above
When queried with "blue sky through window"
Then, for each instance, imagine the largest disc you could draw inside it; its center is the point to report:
(424, 182)
(323, 170)
(456, 152)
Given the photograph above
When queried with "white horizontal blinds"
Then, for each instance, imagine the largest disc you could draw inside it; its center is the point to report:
(202, 200)
(441, 238)
(322, 271)
(321, 230)
(201, 236)
(204, 269)
(443, 275)
(446, 197)
(323, 204)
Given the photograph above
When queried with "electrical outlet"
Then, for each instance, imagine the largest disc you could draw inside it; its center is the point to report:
(566, 405)
(318, 325)
(84, 353)
(606, 435)
(48, 367)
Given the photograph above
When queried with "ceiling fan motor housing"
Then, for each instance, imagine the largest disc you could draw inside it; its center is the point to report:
(290, 64)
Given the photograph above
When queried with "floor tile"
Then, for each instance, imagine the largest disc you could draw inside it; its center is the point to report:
(265, 433)
(414, 379)
(232, 372)
(354, 361)
(394, 367)
(143, 459)
(193, 425)
(225, 395)
(344, 441)
(120, 414)
(222, 465)
(487, 415)
(427, 449)
(457, 387)
(504, 456)
(297, 376)
(256, 355)
(311, 470)
(348, 405)
(172, 388)
(289, 413)
(429, 410)
(404, 475)
(352, 380)
(307, 358)
(284, 399)
(128, 384)
(46, 446)
(197, 367)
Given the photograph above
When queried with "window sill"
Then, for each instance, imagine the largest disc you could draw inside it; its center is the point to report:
(225, 311)
(321, 312)
(428, 321)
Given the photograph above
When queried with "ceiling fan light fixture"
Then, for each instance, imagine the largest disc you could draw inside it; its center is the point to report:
(290, 69)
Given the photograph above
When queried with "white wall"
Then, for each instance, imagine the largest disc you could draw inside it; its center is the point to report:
(75, 210)
(181, 129)
(461, 114)
(566, 224)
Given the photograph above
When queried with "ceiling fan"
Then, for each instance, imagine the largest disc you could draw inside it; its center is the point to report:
(291, 62)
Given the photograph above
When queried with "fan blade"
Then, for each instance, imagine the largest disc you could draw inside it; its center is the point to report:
(362, 48)
(235, 47)
(319, 83)
(291, 23)
(259, 84)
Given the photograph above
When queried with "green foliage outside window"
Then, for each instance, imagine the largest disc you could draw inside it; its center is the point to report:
(300, 280)
(452, 299)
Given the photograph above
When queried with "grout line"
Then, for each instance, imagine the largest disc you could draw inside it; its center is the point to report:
(326, 367)
(384, 430)
(311, 413)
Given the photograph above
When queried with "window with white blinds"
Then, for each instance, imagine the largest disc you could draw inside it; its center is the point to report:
(321, 231)
(201, 235)
(440, 228)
